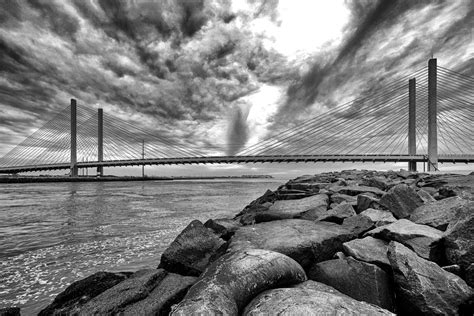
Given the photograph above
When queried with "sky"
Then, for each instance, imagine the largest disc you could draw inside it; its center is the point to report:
(220, 75)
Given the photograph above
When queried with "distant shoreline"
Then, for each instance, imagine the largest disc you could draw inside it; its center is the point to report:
(41, 179)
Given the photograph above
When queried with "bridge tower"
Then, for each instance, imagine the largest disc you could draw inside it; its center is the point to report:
(412, 122)
(100, 142)
(432, 113)
(73, 138)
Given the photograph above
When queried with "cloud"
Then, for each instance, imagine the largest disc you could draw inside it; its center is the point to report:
(238, 132)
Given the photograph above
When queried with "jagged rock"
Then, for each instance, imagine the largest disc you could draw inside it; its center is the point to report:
(339, 255)
(377, 182)
(78, 293)
(190, 252)
(358, 224)
(229, 283)
(469, 275)
(305, 241)
(356, 190)
(423, 239)
(309, 298)
(308, 208)
(379, 217)
(438, 214)
(422, 287)
(309, 187)
(401, 200)
(368, 249)
(223, 227)
(366, 201)
(360, 280)
(459, 237)
(339, 198)
(133, 289)
(454, 268)
(338, 213)
(425, 196)
(10, 311)
(451, 185)
(169, 291)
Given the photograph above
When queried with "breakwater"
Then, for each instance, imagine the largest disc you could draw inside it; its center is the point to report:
(360, 241)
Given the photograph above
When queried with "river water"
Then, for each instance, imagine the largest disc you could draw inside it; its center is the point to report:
(52, 234)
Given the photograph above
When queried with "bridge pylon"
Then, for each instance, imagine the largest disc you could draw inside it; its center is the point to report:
(432, 116)
(412, 122)
(74, 171)
(100, 142)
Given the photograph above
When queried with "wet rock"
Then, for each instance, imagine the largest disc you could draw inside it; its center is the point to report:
(366, 201)
(423, 239)
(422, 287)
(358, 224)
(356, 190)
(401, 200)
(78, 293)
(233, 280)
(305, 241)
(10, 311)
(459, 237)
(190, 252)
(223, 227)
(438, 214)
(341, 198)
(379, 217)
(338, 213)
(169, 291)
(368, 249)
(133, 289)
(309, 298)
(360, 280)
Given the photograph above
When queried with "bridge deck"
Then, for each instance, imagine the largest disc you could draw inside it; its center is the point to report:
(242, 159)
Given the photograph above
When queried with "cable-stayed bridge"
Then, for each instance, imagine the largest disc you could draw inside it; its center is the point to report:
(425, 117)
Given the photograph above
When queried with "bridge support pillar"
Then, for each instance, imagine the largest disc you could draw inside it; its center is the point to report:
(412, 122)
(74, 172)
(432, 113)
(100, 142)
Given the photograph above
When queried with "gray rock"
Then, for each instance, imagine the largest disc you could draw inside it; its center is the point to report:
(69, 301)
(309, 298)
(438, 214)
(469, 275)
(341, 198)
(356, 190)
(223, 227)
(360, 280)
(422, 287)
(368, 249)
(338, 213)
(366, 201)
(308, 208)
(229, 283)
(425, 196)
(423, 239)
(305, 241)
(171, 290)
(190, 252)
(10, 311)
(381, 183)
(401, 200)
(133, 289)
(454, 268)
(379, 217)
(358, 224)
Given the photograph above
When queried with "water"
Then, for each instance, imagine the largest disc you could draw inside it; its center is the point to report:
(52, 234)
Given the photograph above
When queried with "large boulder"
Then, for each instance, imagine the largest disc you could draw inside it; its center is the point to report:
(360, 280)
(223, 227)
(309, 298)
(401, 200)
(133, 289)
(356, 190)
(230, 282)
(338, 213)
(451, 185)
(10, 311)
(365, 201)
(339, 198)
(423, 288)
(438, 214)
(358, 224)
(78, 293)
(190, 252)
(423, 239)
(381, 183)
(379, 217)
(368, 249)
(305, 241)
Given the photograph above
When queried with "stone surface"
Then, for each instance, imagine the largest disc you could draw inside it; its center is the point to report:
(469, 275)
(423, 239)
(368, 249)
(459, 237)
(223, 227)
(308, 208)
(338, 213)
(451, 185)
(358, 224)
(401, 200)
(454, 268)
(379, 217)
(423, 288)
(309, 298)
(360, 280)
(381, 183)
(10, 311)
(229, 283)
(171, 290)
(356, 190)
(305, 241)
(341, 198)
(78, 293)
(190, 252)
(438, 214)
(425, 196)
(133, 289)
(365, 201)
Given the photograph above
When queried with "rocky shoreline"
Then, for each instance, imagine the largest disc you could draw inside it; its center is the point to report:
(350, 242)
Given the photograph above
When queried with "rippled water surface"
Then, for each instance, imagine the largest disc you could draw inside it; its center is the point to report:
(52, 234)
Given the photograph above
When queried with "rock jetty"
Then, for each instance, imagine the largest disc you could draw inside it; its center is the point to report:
(350, 242)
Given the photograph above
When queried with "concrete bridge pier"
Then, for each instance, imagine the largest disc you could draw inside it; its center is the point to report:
(100, 142)
(74, 171)
(432, 113)
(412, 122)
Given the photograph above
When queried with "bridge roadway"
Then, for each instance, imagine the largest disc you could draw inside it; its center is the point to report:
(241, 159)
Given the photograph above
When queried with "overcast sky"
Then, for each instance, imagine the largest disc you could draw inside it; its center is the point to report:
(222, 74)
